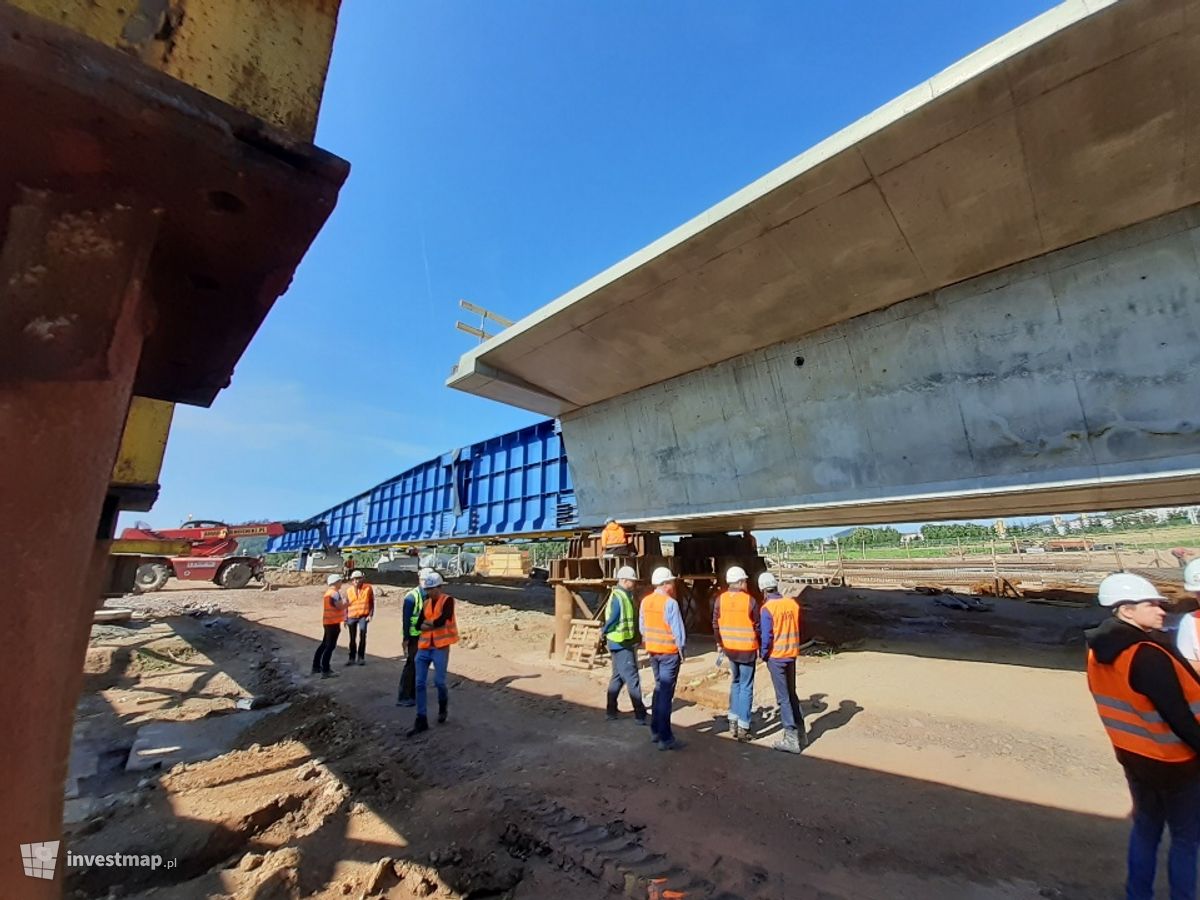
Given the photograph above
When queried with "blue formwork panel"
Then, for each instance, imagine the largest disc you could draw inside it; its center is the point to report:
(508, 486)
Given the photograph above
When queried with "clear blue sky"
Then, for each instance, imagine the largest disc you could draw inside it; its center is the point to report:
(505, 152)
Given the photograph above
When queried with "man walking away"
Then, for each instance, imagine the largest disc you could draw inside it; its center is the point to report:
(780, 633)
(413, 611)
(1147, 697)
(735, 627)
(333, 612)
(620, 631)
(1188, 640)
(439, 630)
(661, 625)
(360, 609)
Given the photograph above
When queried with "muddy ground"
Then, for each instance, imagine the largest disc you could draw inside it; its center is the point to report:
(955, 754)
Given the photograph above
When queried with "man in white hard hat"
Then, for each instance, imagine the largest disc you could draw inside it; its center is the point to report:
(1145, 693)
(735, 628)
(360, 609)
(333, 613)
(1188, 641)
(620, 631)
(439, 631)
(412, 610)
(663, 636)
(779, 634)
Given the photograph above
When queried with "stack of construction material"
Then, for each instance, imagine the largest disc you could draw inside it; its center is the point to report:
(503, 562)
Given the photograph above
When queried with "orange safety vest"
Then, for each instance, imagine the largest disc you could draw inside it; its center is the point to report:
(331, 613)
(657, 636)
(613, 536)
(734, 622)
(361, 601)
(1130, 718)
(785, 627)
(438, 637)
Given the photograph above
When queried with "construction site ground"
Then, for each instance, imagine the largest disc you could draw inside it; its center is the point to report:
(955, 754)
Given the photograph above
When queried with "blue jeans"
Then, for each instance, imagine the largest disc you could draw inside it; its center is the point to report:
(625, 673)
(666, 672)
(783, 679)
(1177, 806)
(741, 692)
(440, 660)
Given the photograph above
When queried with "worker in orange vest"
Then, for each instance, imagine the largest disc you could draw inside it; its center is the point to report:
(663, 636)
(1148, 698)
(333, 613)
(735, 627)
(779, 634)
(360, 609)
(439, 631)
(613, 540)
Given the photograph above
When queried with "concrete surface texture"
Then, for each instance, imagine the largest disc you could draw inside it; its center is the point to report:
(1083, 121)
(1075, 374)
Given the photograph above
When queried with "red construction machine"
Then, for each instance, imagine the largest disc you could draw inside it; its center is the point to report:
(213, 555)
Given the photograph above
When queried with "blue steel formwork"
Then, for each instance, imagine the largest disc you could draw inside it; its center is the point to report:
(514, 485)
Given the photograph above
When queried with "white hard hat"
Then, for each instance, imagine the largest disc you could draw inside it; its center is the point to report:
(356, 574)
(331, 580)
(431, 579)
(661, 575)
(735, 573)
(1125, 588)
(626, 573)
(767, 582)
(1191, 575)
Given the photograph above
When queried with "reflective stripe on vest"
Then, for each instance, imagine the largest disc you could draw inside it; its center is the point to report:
(656, 633)
(1129, 718)
(330, 613)
(359, 601)
(438, 637)
(734, 621)
(785, 627)
(625, 630)
(413, 625)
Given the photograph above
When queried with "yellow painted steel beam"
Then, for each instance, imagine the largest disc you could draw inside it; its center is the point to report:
(140, 457)
(121, 547)
(267, 57)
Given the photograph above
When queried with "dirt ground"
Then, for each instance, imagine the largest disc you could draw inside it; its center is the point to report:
(955, 754)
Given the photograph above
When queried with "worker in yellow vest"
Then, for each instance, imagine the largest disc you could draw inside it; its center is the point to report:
(620, 633)
(663, 636)
(1148, 698)
(779, 633)
(735, 627)
(360, 609)
(439, 631)
(412, 611)
(333, 613)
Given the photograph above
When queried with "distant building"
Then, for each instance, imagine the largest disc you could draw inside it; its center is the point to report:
(911, 536)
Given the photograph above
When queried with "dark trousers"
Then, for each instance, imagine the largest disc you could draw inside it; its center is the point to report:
(625, 673)
(355, 626)
(408, 678)
(783, 679)
(325, 648)
(666, 672)
(1175, 804)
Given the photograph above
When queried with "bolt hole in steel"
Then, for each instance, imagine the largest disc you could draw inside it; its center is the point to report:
(799, 361)
(203, 282)
(225, 202)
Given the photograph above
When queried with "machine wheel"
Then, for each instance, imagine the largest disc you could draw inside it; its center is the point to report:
(150, 577)
(235, 575)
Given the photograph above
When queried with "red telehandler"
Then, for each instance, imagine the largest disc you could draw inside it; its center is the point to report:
(214, 555)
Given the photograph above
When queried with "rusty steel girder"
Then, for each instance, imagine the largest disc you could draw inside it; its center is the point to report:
(238, 202)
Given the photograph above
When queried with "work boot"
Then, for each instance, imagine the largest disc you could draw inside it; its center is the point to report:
(441, 713)
(736, 730)
(350, 661)
(329, 674)
(421, 724)
(362, 661)
(406, 703)
(672, 744)
(789, 743)
(744, 734)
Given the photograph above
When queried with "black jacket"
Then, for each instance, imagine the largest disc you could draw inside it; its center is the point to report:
(1152, 675)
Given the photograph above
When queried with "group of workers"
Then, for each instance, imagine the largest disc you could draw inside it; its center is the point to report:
(430, 629)
(744, 632)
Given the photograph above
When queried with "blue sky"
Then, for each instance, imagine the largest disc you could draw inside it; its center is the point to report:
(504, 152)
